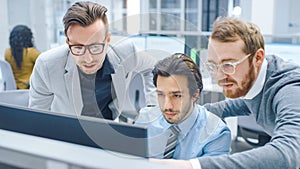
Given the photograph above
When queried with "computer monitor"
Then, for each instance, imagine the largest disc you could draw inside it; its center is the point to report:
(87, 131)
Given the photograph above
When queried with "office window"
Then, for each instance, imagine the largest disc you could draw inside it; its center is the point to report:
(124, 4)
(170, 18)
(181, 17)
(152, 4)
(191, 15)
(152, 21)
(118, 16)
(211, 9)
(170, 22)
(236, 2)
(170, 4)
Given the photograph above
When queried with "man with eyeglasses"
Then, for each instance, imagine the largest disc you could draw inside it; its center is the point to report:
(265, 86)
(88, 76)
(228, 68)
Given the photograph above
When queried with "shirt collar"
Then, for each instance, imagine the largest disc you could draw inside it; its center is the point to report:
(106, 69)
(186, 125)
(84, 75)
(259, 83)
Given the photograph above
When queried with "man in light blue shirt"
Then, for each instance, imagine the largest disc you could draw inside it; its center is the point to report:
(201, 133)
(264, 86)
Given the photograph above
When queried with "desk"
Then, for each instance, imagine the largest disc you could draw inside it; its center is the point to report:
(27, 151)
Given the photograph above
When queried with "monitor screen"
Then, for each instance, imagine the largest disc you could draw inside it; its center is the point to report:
(87, 131)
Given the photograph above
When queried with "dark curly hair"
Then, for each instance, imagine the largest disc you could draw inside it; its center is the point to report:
(20, 38)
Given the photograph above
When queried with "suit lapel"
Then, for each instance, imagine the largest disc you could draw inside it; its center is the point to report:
(118, 82)
(73, 85)
(119, 85)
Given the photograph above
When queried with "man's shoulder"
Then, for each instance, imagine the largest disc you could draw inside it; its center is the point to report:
(212, 121)
(281, 73)
(54, 59)
(278, 65)
(122, 43)
(55, 53)
(32, 49)
(121, 49)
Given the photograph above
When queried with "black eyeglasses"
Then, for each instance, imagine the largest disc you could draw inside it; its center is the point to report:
(227, 68)
(94, 49)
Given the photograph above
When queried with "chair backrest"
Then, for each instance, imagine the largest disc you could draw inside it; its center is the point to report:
(8, 79)
(15, 97)
(252, 133)
(210, 97)
(136, 97)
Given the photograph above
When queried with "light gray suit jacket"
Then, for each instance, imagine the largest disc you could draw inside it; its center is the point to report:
(55, 84)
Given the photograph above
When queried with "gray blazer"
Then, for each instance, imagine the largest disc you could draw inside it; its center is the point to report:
(55, 84)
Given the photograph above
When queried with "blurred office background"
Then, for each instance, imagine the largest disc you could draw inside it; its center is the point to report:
(161, 26)
(164, 27)
(185, 23)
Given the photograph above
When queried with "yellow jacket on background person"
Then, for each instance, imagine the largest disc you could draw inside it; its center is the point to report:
(23, 73)
(21, 55)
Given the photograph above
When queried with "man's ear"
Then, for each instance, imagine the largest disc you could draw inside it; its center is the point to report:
(259, 57)
(108, 37)
(196, 95)
(67, 41)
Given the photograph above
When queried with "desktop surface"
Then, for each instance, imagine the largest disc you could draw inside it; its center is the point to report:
(98, 133)
(18, 150)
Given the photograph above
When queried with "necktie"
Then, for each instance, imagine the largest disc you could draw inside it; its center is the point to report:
(170, 147)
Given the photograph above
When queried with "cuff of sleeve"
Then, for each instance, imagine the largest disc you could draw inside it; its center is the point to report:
(195, 163)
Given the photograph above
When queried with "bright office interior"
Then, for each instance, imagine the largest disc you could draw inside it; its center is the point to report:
(162, 27)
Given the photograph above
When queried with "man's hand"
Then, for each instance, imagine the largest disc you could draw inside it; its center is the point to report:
(175, 163)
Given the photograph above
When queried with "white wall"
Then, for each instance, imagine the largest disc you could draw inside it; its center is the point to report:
(42, 28)
(35, 14)
(3, 27)
(294, 17)
(281, 16)
(133, 12)
(263, 15)
(286, 17)
(246, 6)
(274, 17)
(18, 12)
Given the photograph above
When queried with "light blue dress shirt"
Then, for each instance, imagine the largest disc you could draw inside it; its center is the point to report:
(202, 134)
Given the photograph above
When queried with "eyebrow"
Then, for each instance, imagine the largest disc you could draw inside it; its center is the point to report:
(76, 43)
(174, 92)
(224, 60)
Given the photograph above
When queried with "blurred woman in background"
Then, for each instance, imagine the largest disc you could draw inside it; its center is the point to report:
(21, 55)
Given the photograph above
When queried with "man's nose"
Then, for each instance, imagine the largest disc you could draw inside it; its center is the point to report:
(168, 103)
(219, 74)
(88, 57)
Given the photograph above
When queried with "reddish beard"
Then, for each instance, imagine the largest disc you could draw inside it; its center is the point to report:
(245, 85)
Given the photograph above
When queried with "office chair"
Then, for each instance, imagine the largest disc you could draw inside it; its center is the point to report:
(8, 79)
(15, 97)
(247, 128)
(251, 132)
(210, 97)
(136, 98)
